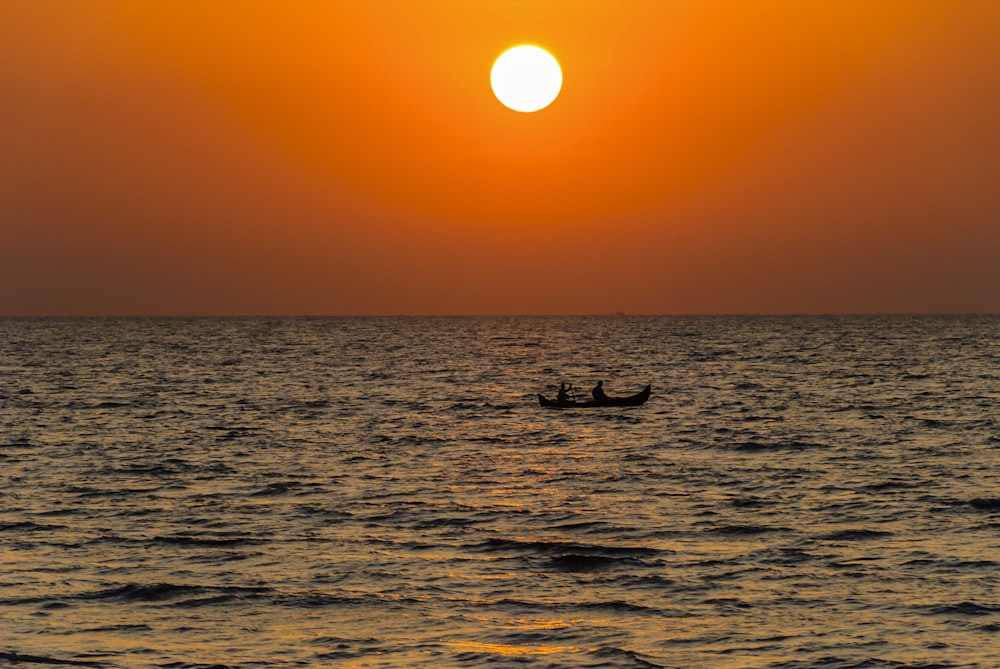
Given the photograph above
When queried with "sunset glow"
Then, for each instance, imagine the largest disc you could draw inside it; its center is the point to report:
(351, 157)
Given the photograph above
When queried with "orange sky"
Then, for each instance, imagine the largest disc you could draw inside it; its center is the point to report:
(173, 157)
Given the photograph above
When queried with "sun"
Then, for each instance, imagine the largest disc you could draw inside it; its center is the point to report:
(526, 78)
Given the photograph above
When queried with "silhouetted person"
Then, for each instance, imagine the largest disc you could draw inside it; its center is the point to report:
(562, 396)
(598, 392)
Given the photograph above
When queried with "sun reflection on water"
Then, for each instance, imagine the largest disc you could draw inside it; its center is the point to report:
(511, 650)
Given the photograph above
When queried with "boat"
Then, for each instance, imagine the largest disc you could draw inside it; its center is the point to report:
(630, 401)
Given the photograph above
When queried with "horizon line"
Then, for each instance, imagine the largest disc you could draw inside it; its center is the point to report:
(803, 314)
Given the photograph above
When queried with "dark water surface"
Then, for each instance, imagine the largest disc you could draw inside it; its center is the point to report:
(798, 493)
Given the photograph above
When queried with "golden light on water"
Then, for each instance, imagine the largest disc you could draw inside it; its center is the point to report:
(325, 499)
(510, 650)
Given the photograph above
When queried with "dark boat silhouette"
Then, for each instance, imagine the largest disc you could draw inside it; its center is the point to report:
(630, 401)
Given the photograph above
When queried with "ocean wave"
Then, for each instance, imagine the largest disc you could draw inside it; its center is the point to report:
(751, 502)
(834, 662)
(563, 547)
(990, 504)
(963, 609)
(18, 658)
(728, 603)
(746, 530)
(572, 562)
(450, 521)
(201, 665)
(950, 565)
(774, 446)
(158, 593)
(619, 658)
(589, 527)
(189, 541)
(152, 593)
(18, 442)
(26, 526)
(855, 535)
(280, 488)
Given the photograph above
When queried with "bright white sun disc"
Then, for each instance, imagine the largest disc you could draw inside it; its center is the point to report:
(526, 78)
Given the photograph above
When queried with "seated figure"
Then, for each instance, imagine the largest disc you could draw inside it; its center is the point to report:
(598, 392)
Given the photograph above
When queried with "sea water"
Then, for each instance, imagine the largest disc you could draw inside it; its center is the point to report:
(801, 492)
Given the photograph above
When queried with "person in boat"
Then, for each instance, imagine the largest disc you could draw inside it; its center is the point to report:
(598, 392)
(563, 396)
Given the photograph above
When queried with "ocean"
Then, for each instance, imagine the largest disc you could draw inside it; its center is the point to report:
(798, 493)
